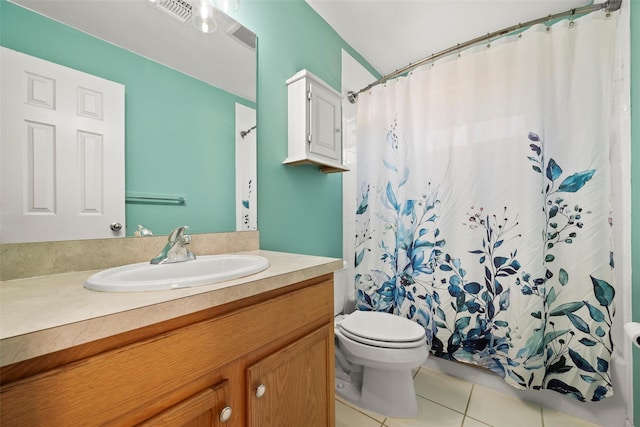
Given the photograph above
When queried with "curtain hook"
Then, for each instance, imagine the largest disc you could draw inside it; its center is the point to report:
(488, 40)
(458, 48)
(571, 23)
(549, 24)
(519, 30)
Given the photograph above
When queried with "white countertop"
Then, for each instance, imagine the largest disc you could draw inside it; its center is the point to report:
(40, 315)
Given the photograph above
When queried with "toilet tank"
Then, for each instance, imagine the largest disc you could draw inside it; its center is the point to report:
(340, 283)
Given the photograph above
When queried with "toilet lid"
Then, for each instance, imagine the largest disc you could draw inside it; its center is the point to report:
(382, 327)
(384, 344)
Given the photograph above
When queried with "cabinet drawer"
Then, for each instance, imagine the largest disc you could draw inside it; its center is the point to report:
(209, 408)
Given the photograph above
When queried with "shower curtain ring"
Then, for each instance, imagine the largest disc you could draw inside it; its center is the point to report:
(519, 30)
(571, 23)
(488, 40)
(549, 23)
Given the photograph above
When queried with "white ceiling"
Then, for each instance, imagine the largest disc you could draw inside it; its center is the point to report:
(393, 33)
(217, 58)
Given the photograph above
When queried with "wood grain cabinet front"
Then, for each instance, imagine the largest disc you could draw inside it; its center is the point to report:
(206, 409)
(201, 370)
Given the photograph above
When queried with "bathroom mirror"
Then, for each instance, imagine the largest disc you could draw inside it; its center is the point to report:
(182, 92)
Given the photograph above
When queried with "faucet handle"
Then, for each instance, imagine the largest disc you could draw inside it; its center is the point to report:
(177, 233)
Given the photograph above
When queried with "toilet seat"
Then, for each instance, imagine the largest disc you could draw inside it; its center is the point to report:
(384, 344)
(382, 330)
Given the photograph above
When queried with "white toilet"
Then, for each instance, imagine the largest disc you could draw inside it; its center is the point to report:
(375, 355)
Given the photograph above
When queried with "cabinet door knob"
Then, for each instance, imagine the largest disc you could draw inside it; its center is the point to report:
(225, 414)
(115, 226)
(260, 390)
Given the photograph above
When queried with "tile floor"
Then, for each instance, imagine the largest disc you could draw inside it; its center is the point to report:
(445, 401)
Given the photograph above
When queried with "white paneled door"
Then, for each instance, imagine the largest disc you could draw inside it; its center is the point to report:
(61, 152)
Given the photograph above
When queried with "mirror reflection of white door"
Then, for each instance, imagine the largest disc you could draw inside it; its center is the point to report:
(61, 152)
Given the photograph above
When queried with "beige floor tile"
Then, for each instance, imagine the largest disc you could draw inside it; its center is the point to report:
(553, 418)
(502, 410)
(470, 422)
(430, 414)
(375, 416)
(443, 389)
(346, 416)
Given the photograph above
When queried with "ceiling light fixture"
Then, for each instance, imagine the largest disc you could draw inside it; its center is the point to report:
(204, 16)
(227, 5)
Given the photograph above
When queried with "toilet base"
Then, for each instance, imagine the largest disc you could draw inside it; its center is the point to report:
(390, 393)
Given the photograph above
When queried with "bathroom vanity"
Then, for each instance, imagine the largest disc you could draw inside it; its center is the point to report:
(257, 353)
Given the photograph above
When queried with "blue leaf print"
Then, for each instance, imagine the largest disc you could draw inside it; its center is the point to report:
(505, 300)
(423, 317)
(599, 393)
(580, 362)
(603, 365)
(473, 287)
(576, 181)
(462, 323)
(389, 166)
(600, 332)
(364, 204)
(551, 296)
(359, 257)
(564, 388)
(553, 170)
(563, 277)
(604, 291)
(587, 342)
(534, 137)
(472, 307)
(580, 324)
(499, 261)
(392, 197)
(595, 313)
(408, 207)
(245, 203)
(588, 378)
(455, 291)
(405, 177)
(568, 307)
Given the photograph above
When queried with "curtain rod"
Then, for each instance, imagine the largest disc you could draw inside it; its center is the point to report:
(608, 6)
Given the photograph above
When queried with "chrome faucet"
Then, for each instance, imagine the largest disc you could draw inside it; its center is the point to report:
(175, 250)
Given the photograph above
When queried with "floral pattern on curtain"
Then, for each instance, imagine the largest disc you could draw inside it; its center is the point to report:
(484, 209)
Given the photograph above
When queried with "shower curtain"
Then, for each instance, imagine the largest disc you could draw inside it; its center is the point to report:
(484, 205)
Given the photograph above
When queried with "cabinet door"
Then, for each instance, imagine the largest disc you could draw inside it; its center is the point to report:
(295, 386)
(206, 409)
(325, 123)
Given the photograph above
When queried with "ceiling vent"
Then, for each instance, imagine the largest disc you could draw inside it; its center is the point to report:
(177, 9)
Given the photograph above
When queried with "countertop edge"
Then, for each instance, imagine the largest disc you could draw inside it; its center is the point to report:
(286, 269)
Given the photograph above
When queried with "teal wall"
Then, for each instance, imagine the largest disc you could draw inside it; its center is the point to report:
(179, 140)
(635, 194)
(299, 207)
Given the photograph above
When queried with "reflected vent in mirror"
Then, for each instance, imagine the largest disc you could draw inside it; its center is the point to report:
(243, 35)
(177, 9)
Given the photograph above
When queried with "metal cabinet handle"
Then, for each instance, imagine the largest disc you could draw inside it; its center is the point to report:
(225, 414)
(260, 390)
(115, 226)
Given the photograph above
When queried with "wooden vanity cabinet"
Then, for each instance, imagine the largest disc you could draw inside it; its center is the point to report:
(200, 370)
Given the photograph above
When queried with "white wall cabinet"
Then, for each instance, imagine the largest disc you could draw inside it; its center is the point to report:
(315, 123)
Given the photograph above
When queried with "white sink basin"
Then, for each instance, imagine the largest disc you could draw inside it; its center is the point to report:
(203, 270)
